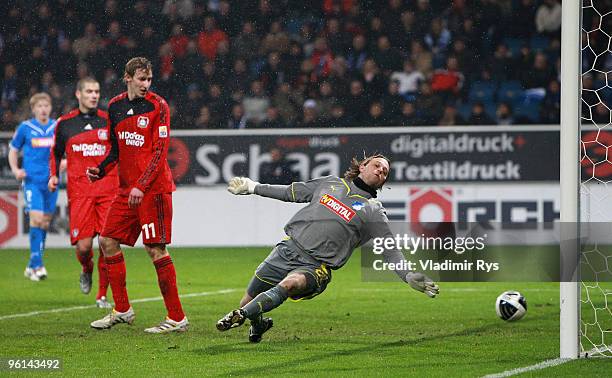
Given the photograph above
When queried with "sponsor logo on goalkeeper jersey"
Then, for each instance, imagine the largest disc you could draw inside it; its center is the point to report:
(132, 139)
(417, 146)
(42, 142)
(94, 149)
(337, 207)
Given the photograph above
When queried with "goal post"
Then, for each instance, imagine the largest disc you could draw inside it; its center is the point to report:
(569, 289)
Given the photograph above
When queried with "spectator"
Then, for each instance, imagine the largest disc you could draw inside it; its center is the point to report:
(357, 54)
(409, 79)
(278, 171)
(504, 114)
(438, 41)
(501, 64)
(88, 43)
(449, 81)
(273, 119)
(310, 116)
(326, 99)
(256, 103)
(451, 117)
(273, 72)
(288, 103)
(209, 38)
(358, 103)
(321, 59)
(392, 101)
(237, 119)
(178, 41)
(276, 40)
(335, 36)
(239, 78)
(540, 73)
(550, 108)
(386, 57)
(428, 105)
(373, 80)
(188, 65)
(409, 116)
(246, 44)
(376, 115)
(205, 119)
(479, 116)
(338, 117)
(423, 59)
(548, 18)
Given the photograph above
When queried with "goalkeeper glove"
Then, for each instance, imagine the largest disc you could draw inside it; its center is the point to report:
(241, 185)
(420, 282)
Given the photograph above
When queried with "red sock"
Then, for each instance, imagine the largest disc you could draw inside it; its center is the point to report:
(115, 266)
(86, 261)
(102, 277)
(166, 277)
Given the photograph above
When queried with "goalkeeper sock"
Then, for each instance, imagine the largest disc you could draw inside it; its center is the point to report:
(36, 247)
(166, 277)
(115, 265)
(102, 277)
(266, 301)
(86, 260)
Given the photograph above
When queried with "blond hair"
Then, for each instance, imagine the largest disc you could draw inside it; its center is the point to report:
(42, 96)
(135, 64)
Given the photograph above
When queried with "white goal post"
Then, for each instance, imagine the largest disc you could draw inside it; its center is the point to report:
(570, 175)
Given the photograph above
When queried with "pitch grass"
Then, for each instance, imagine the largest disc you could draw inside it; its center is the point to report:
(353, 329)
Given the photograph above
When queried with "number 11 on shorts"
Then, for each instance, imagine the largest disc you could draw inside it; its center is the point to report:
(145, 229)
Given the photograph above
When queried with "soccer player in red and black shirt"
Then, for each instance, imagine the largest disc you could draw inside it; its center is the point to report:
(139, 133)
(82, 135)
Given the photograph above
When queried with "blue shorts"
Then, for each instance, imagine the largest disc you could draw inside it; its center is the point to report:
(38, 198)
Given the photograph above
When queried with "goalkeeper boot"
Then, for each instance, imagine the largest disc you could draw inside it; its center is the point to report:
(114, 318)
(232, 320)
(85, 282)
(102, 302)
(257, 329)
(169, 325)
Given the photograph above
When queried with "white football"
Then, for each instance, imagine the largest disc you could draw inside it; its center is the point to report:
(511, 306)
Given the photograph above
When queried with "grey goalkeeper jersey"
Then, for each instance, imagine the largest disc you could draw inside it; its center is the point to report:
(339, 218)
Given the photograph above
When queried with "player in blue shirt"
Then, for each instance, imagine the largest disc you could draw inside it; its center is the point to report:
(35, 137)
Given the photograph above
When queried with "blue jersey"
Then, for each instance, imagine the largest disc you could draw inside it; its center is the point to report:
(36, 140)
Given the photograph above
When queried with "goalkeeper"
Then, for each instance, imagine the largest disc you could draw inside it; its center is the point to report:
(342, 215)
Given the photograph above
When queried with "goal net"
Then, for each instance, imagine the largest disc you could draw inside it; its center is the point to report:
(595, 198)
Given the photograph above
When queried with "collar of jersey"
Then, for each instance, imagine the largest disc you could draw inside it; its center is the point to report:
(348, 189)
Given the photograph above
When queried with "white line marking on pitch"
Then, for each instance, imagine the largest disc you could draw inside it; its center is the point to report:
(66, 309)
(459, 289)
(541, 365)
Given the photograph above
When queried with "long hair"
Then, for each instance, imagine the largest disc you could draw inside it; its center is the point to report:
(353, 171)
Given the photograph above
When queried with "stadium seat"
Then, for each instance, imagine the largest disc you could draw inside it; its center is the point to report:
(530, 110)
(511, 92)
(515, 44)
(482, 91)
(539, 42)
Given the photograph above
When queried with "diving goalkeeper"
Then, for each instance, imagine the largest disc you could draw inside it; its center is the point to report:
(342, 214)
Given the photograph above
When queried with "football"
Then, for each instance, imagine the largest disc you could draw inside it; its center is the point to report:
(511, 306)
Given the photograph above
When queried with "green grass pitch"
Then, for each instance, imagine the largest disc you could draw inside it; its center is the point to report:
(355, 328)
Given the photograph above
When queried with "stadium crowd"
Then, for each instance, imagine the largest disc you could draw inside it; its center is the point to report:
(282, 63)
